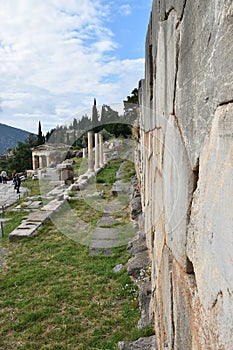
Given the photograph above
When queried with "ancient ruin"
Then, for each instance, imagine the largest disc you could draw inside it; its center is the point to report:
(49, 162)
(185, 170)
(48, 155)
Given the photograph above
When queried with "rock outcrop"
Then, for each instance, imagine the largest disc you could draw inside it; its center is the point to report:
(185, 170)
(141, 343)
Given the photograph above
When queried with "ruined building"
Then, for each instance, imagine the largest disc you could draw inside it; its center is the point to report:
(185, 168)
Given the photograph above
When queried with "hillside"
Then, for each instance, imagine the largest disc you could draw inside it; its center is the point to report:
(9, 137)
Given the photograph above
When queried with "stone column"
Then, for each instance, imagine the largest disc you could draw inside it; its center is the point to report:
(84, 153)
(96, 151)
(34, 162)
(105, 158)
(48, 161)
(90, 152)
(40, 161)
(44, 161)
(101, 150)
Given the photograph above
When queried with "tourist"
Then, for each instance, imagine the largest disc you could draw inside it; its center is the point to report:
(17, 183)
(4, 176)
(14, 181)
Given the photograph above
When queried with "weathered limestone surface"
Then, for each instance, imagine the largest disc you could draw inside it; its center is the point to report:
(140, 344)
(210, 239)
(185, 171)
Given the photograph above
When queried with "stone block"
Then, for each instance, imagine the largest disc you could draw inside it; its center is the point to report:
(137, 263)
(204, 74)
(177, 191)
(210, 243)
(138, 245)
(25, 230)
(147, 343)
(167, 53)
(167, 6)
(145, 303)
(102, 233)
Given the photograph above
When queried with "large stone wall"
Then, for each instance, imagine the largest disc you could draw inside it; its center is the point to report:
(185, 166)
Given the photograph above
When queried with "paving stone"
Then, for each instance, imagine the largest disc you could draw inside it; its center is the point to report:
(26, 229)
(101, 233)
(104, 243)
(113, 207)
(106, 221)
(39, 215)
(35, 205)
(53, 205)
(100, 251)
(56, 191)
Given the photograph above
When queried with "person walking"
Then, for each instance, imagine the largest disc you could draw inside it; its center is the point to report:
(17, 183)
(14, 181)
(4, 176)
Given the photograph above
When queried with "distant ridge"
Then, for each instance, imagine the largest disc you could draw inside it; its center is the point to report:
(9, 137)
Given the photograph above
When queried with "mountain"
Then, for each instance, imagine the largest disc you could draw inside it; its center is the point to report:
(9, 137)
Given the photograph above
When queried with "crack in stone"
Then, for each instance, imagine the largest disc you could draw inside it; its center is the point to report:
(172, 313)
(182, 14)
(224, 103)
(172, 9)
(176, 71)
(219, 295)
(167, 14)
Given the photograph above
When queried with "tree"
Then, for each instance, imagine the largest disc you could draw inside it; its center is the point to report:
(40, 137)
(131, 107)
(85, 123)
(133, 98)
(50, 136)
(94, 115)
(21, 159)
(75, 124)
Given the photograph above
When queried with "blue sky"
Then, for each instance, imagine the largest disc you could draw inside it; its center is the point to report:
(57, 55)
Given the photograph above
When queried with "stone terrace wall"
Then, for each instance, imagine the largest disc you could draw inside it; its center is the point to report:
(185, 165)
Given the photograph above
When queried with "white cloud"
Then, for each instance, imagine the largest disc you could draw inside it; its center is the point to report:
(125, 10)
(55, 56)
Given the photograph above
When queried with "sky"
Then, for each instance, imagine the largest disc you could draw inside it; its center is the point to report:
(57, 55)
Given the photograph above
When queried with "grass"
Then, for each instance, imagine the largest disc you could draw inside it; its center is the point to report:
(80, 166)
(33, 186)
(129, 170)
(54, 295)
(108, 174)
(15, 220)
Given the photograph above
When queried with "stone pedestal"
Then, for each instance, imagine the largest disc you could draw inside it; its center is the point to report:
(66, 172)
(105, 158)
(84, 153)
(101, 150)
(96, 151)
(90, 152)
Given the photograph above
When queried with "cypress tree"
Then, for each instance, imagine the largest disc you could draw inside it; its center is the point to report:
(40, 137)
(94, 114)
